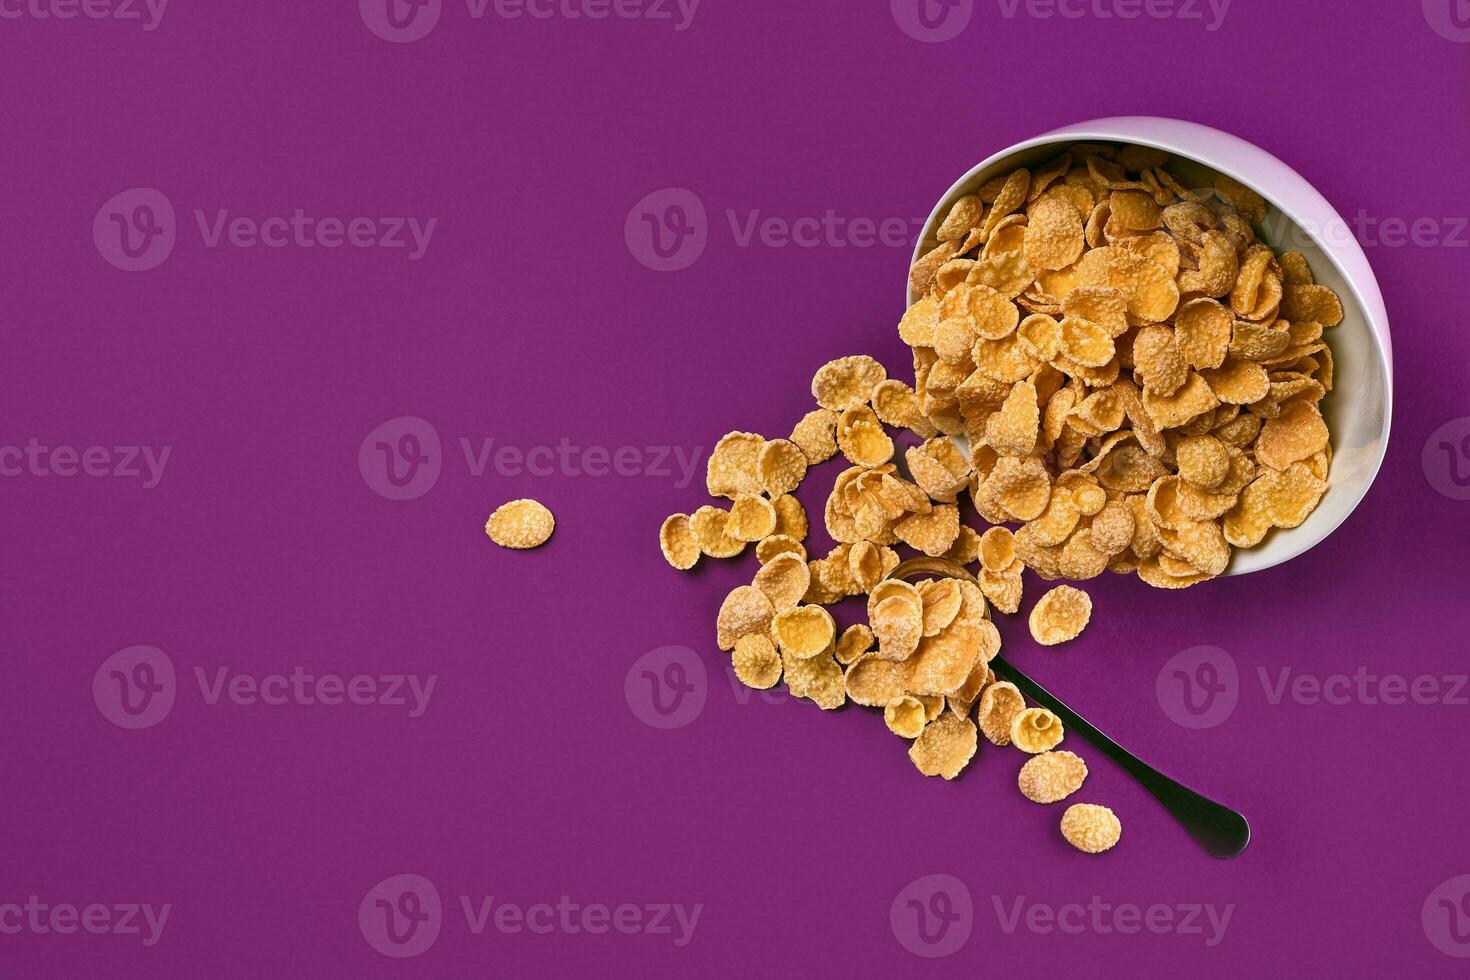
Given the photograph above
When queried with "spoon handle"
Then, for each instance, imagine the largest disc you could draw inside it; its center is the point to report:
(1221, 831)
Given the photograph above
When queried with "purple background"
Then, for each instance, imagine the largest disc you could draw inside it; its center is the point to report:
(529, 321)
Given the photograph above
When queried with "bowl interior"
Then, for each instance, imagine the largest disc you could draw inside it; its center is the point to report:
(1356, 410)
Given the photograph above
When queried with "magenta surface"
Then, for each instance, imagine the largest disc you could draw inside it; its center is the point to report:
(265, 674)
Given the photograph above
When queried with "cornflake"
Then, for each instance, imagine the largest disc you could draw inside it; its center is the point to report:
(805, 631)
(906, 718)
(1051, 776)
(751, 518)
(1036, 730)
(1090, 828)
(1000, 703)
(746, 610)
(781, 465)
(847, 382)
(676, 541)
(816, 435)
(733, 466)
(784, 580)
(708, 525)
(1061, 614)
(855, 641)
(756, 662)
(945, 746)
(521, 524)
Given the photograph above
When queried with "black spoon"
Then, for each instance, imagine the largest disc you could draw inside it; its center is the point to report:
(1221, 831)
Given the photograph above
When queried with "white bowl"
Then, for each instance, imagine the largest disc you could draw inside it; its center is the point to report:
(1298, 218)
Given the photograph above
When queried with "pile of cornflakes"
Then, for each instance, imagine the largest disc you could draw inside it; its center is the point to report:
(1138, 382)
(1138, 377)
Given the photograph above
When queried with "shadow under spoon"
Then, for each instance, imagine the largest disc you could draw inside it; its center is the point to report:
(1219, 830)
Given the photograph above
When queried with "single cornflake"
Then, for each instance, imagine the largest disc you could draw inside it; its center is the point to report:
(677, 542)
(1036, 730)
(1051, 776)
(520, 524)
(1000, 703)
(1061, 614)
(945, 746)
(1090, 828)
(756, 661)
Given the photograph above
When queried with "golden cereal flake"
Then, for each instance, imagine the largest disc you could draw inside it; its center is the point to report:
(898, 626)
(790, 517)
(817, 678)
(1090, 828)
(945, 746)
(708, 525)
(784, 580)
(942, 601)
(906, 718)
(1004, 589)
(1000, 703)
(876, 683)
(752, 517)
(1296, 434)
(778, 544)
(1051, 776)
(782, 465)
(756, 661)
(676, 541)
(932, 533)
(1036, 730)
(847, 382)
(855, 641)
(733, 467)
(520, 524)
(805, 631)
(816, 435)
(746, 610)
(1061, 614)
